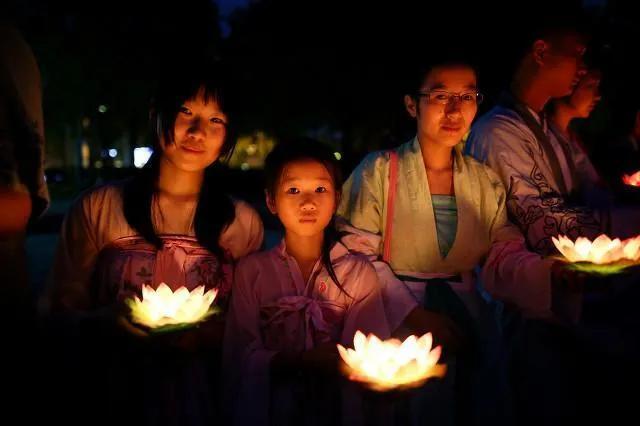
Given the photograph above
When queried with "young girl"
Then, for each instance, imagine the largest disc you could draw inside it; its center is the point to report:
(172, 223)
(292, 304)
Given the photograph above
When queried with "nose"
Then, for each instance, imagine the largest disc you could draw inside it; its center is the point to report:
(196, 128)
(307, 204)
(453, 106)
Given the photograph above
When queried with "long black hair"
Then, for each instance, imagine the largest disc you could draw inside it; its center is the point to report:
(307, 149)
(215, 210)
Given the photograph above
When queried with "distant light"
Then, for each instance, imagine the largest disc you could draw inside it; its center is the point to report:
(113, 153)
(85, 154)
(118, 164)
(337, 155)
(141, 155)
(245, 166)
(98, 164)
(252, 149)
(102, 109)
(86, 122)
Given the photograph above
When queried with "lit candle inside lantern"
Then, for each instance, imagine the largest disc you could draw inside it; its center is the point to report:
(602, 251)
(384, 365)
(632, 180)
(163, 307)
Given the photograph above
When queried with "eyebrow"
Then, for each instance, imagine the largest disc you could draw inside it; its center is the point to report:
(291, 180)
(441, 86)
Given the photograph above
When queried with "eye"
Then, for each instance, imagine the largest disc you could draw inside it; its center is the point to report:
(468, 97)
(321, 189)
(217, 121)
(441, 96)
(185, 110)
(293, 191)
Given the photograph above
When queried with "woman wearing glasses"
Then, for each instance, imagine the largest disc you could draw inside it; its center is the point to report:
(433, 216)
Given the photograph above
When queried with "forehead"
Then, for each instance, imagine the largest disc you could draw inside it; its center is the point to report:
(456, 77)
(201, 100)
(305, 169)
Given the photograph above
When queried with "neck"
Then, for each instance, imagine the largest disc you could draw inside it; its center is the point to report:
(530, 90)
(562, 117)
(437, 157)
(304, 249)
(175, 182)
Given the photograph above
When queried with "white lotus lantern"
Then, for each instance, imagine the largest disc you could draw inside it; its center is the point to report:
(391, 364)
(632, 180)
(162, 307)
(603, 252)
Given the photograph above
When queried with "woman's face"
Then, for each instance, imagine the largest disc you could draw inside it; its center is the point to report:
(199, 134)
(586, 95)
(443, 119)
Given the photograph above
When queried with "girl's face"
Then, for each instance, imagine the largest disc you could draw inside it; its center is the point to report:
(586, 95)
(305, 198)
(199, 134)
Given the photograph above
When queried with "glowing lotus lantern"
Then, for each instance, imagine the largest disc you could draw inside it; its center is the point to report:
(601, 255)
(391, 364)
(632, 180)
(162, 308)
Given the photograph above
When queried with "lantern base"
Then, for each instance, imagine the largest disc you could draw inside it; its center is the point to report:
(172, 328)
(613, 268)
(436, 372)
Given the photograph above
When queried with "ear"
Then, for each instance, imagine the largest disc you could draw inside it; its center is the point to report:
(271, 205)
(411, 106)
(539, 51)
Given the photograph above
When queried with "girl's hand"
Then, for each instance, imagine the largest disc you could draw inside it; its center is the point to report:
(323, 359)
(206, 335)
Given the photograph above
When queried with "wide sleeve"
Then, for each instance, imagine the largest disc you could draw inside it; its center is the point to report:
(75, 258)
(366, 311)
(246, 361)
(512, 273)
(534, 205)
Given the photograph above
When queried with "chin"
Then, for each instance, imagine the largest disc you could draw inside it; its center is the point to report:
(308, 232)
(450, 141)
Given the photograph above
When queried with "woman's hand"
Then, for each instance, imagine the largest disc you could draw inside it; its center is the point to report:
(567, 288)
(445, 332)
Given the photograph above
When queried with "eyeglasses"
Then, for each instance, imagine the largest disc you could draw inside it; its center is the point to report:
(442, 97)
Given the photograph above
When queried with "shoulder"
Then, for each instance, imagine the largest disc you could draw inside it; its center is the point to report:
(250, 267)
(373, 163)
(245, 233)
(499, 124)
(101, 197)
(245, 213)
(351, 264)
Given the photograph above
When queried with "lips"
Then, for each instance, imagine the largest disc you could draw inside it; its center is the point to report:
(451, 128)
(308, 219)
(192, 149)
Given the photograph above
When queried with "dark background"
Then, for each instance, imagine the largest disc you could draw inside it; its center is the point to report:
(332, 70)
